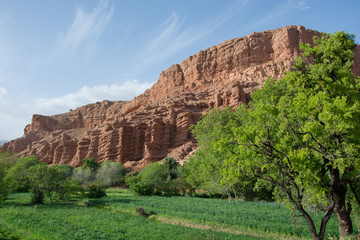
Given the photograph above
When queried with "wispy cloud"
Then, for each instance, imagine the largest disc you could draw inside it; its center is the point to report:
(272, 16)
(277, 13)
(173, 36)
(302, 5)
(86, 28)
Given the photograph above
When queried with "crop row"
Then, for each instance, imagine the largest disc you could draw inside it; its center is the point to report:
(73, 221)
(259, 216)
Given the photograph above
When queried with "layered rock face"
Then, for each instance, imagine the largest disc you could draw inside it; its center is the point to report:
(156, 124)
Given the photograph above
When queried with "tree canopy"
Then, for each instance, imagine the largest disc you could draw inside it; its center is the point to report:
(300, 134)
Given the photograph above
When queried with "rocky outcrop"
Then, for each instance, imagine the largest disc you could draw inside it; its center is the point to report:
(156, 123)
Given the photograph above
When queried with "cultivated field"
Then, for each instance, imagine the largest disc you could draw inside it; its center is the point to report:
(172, 217)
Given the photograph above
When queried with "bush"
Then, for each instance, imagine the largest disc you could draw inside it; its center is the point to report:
(110, 174)
(96, 191)
(7, 160)
(137, 185)
(69, 188)
(83, 175)
(65, 170)
(91, 163)
(155, 179)
(172, 167)
(4, 190)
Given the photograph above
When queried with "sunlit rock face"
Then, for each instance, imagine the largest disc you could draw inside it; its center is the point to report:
(156, 123)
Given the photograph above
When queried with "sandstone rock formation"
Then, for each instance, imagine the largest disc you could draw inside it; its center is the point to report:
(156, 123)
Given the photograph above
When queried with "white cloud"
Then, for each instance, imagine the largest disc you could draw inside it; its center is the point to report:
(17, 113)
(2, 91)
(86, 95)
(87, 27)
(11, 126)
(302, 5)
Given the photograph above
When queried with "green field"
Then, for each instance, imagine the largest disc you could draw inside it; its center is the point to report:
(172, 217)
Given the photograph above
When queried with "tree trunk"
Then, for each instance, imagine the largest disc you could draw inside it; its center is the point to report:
(37, 197)
(342, 212)
(308, 218)
(345, 223)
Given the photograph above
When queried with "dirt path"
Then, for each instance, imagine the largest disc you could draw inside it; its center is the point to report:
(245, 232)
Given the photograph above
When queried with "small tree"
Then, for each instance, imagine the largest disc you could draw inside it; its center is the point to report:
(91, 163)
(31, 175)
(59, 183)
(39, 177)
(172, 167)
(18, 176)
(137, 185)
(110, 174)
(157, 178)
(45, 181)
(83, 175)
(7, 160)
(86, 174)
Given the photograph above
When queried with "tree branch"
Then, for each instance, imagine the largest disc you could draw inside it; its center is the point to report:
(355, 193)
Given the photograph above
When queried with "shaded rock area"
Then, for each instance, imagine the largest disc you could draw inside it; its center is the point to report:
(156, 123)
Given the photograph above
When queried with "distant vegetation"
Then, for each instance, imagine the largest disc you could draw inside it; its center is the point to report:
(57, 182)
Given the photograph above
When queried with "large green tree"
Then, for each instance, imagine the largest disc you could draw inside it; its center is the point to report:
(203, 170)
(301, 134)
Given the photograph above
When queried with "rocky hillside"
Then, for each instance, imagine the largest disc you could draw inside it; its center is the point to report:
(156, 123)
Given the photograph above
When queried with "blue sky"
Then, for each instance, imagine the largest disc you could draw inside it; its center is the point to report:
(59, 55)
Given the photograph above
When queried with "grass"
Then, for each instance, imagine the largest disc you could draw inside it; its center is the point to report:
(172, 217)
(82, 220)
(256, 218)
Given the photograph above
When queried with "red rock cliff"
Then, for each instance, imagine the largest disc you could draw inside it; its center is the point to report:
(156, 123)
